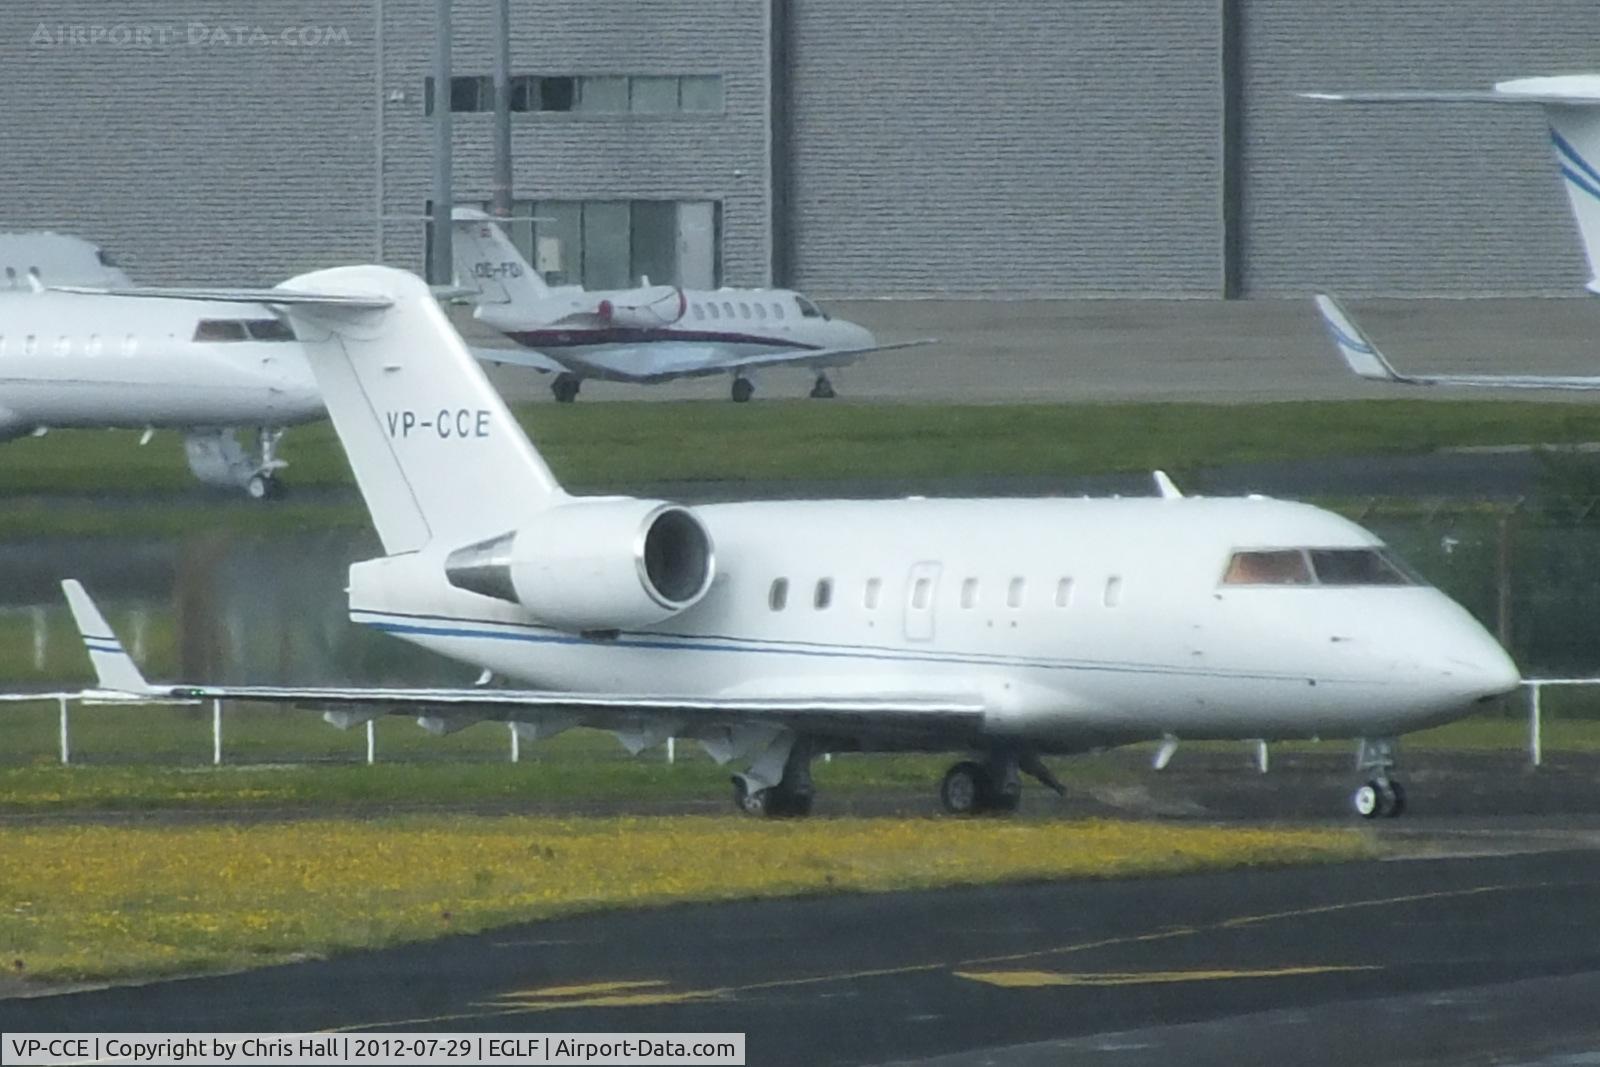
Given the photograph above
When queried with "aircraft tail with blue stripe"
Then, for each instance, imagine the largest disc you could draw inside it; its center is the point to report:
(114, 669)
(1571, 105)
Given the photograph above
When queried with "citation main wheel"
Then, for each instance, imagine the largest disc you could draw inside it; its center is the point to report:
(963, 788)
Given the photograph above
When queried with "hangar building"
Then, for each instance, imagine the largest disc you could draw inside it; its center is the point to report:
(1026, 148)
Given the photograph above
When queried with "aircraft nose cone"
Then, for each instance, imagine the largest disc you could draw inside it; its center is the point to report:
(1473, 666)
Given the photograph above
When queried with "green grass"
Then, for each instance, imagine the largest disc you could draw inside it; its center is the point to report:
(609, 444)
(96, 901)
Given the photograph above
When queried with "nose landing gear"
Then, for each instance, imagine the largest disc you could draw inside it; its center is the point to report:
(1381, 797)
(823, 389)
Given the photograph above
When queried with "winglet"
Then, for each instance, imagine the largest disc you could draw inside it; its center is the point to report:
(1359, 353)
(113, 667)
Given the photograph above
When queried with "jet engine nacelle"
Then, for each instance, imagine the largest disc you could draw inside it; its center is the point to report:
(662, 305)
(594, 564)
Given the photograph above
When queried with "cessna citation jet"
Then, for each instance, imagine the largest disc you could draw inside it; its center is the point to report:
(651, 334)
(1571, 105)
(774, 631)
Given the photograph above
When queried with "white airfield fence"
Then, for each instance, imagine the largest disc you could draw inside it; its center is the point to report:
(65, 700)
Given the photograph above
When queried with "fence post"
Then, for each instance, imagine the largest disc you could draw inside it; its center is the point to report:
(1535, 724)
(216, 733)
(66, 747)
(371, 744)
(516, 743)
(672, 750)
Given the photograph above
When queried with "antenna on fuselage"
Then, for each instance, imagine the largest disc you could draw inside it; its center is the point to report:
(1166, 487)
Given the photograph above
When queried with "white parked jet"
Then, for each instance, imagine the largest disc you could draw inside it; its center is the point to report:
(94, 360)
(651, 334)
(54, 259)
(1009, 629)
(1571, 105)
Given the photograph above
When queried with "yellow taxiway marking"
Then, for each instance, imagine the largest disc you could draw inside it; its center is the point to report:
(592, 989)
(1038, 979)
(492, 1010)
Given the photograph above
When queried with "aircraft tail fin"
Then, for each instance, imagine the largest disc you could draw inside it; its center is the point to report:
(1571, 104)
(114, 669)
(487, 262)
(434, 449)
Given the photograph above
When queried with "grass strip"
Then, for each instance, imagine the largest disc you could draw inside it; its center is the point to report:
(85, 901)
(603, 445)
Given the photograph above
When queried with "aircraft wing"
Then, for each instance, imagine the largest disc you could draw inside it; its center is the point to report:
(357, 301)
(117, 676)
(518, 357)
(1363, 357)
(818, 357)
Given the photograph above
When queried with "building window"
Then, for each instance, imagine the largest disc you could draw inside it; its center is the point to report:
(778, 596)
(616, 94)
(616, 244)
(700, 92)
(824, 594)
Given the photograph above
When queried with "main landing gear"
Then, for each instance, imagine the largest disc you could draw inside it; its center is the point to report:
(778, 785)
(565, 388)
(992, 785)
(217, 458)
(1381, 797)
(743, 390)
(823, 389)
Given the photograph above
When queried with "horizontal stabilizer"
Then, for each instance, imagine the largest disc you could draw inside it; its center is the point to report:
(287, 297)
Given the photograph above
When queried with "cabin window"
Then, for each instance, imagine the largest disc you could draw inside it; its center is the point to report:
(873, 594)
(219, 330)
(269, 330)
(699, 312)
(969, 593)
(2, 345)
(744, 310)
(761, 311)
(1285, 566)
(919, 594)
(130, 345)
(93, 347)
(1064, 593)
(778, 596)
(63, 345)
(1113, 595)
(1358, 566)
(713, 309)
(823, 595)
(1014, 593)
(777, 311)
(30, 345)
(727, 308)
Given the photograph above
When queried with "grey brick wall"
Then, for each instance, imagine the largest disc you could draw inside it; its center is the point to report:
(191, 160)
(1416, 199)
(1018, 147)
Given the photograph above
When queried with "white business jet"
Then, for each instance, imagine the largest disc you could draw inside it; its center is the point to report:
(1571, 105)
(654, 333)
(55, 259)
(772, 631)
(93, 360)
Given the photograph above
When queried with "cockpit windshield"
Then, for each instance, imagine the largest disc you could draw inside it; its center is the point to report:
(1317, 566)
(808, 309)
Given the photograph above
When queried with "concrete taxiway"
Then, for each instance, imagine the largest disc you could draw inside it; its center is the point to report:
(1213, 351)
(1493, 956)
